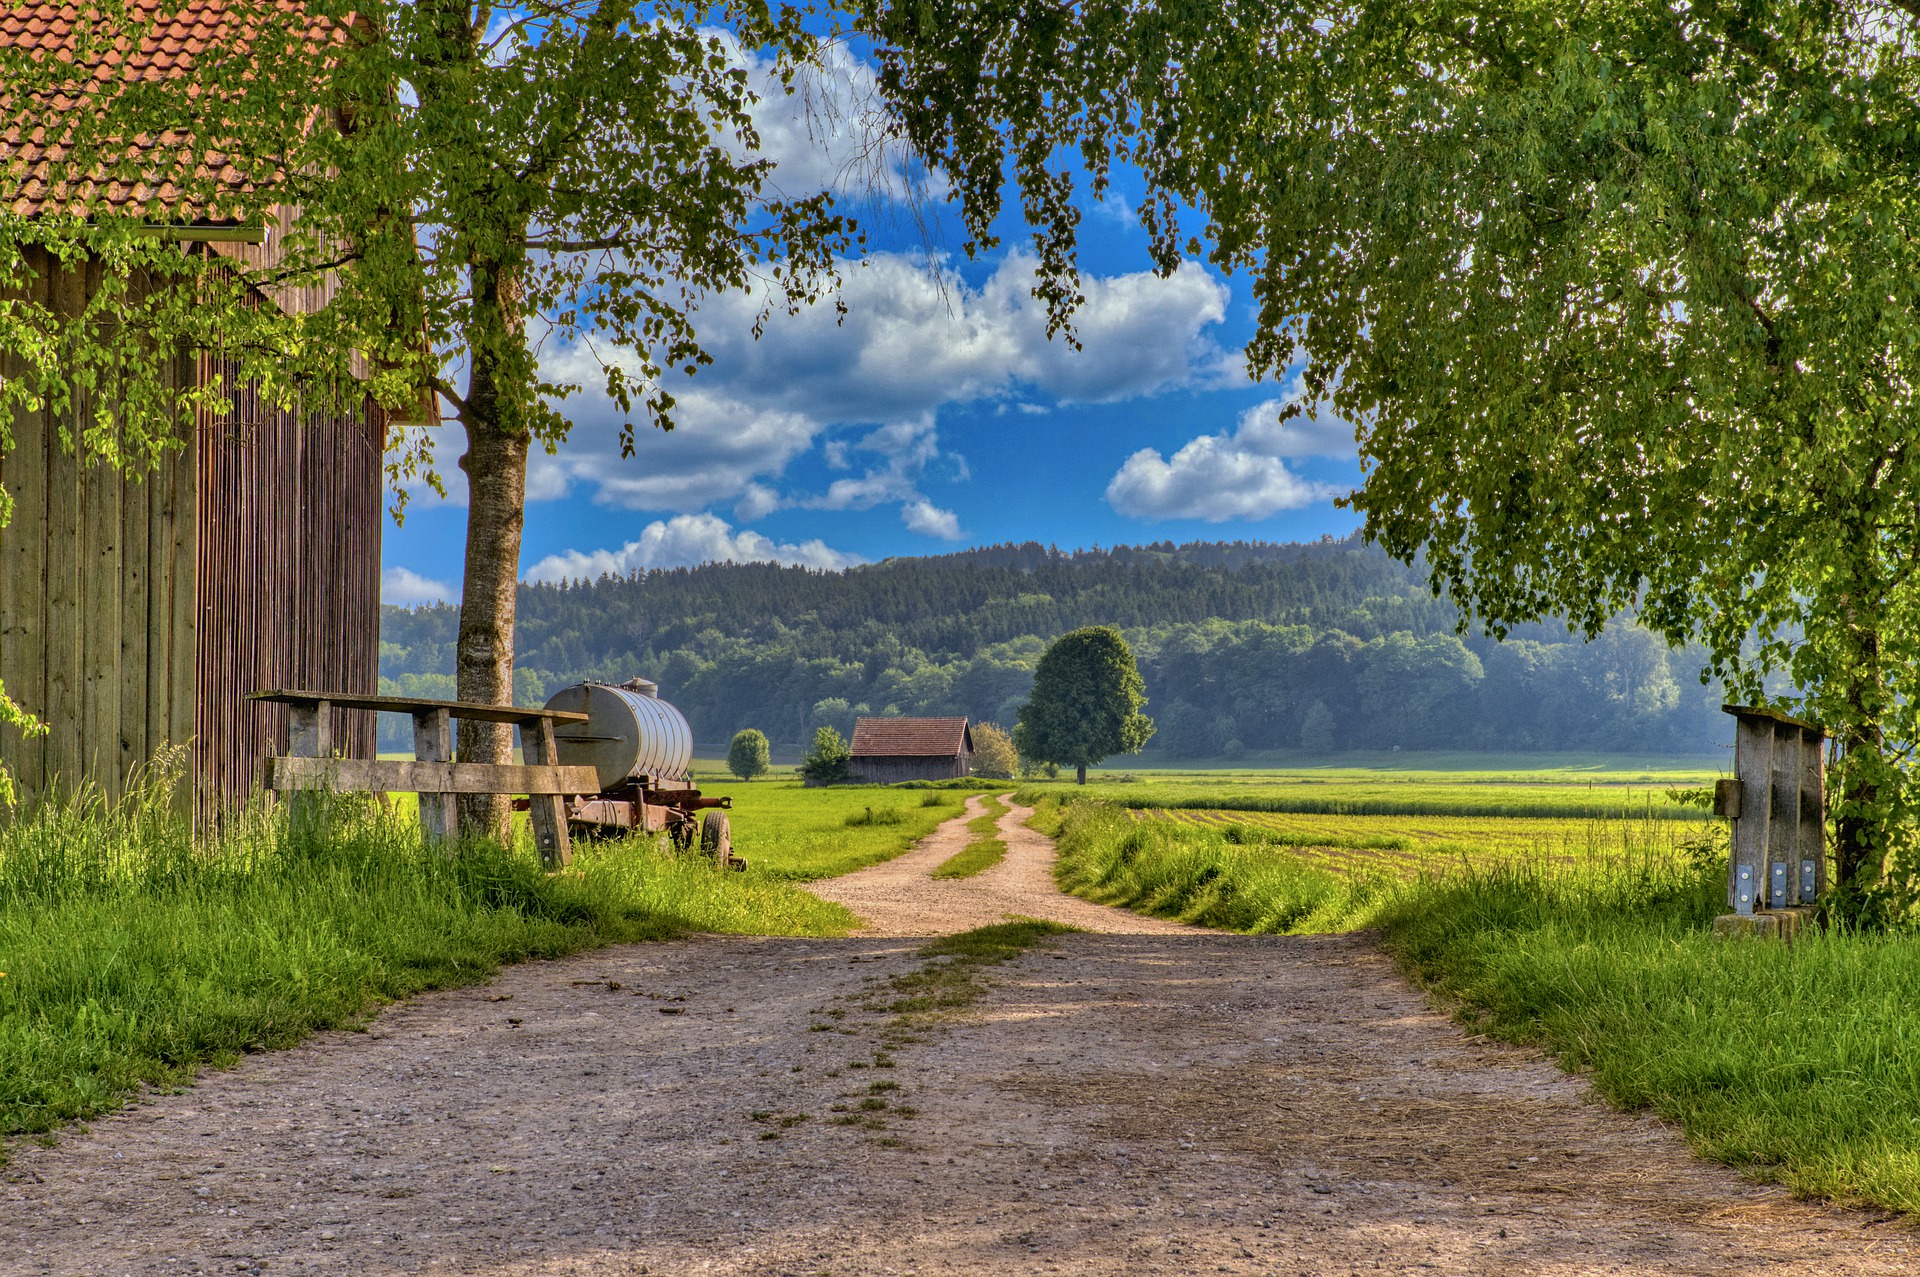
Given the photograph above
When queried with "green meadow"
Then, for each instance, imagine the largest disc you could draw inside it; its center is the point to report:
(1589, 792)
(792, 833)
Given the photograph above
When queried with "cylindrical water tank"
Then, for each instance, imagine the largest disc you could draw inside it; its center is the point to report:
(629, 732)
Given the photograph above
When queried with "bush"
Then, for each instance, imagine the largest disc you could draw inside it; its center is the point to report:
(749, 755)
(829, 761)
(994, 757)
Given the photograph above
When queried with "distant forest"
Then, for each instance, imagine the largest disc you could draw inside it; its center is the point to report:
(1327, 645)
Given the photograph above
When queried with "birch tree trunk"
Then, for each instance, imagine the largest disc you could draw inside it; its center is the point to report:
(496, 467)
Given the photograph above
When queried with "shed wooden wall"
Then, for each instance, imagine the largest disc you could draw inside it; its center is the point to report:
(138, 612)
(882, 769)
(96, 599)
(289, 576)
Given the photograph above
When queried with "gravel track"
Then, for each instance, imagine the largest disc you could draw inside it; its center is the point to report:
(1144, 1098)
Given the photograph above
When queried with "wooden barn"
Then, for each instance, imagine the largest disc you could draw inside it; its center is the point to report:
(889, 749)
(138, 611)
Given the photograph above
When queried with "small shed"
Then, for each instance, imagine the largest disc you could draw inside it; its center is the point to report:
(890, 749)
(137, 611)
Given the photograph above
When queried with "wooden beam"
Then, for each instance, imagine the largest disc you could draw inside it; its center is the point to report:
(547, 812)
(433, 743)
(1753, 767)
(1774, 715)
(1810, 847)
(360, 775)
(414, 705)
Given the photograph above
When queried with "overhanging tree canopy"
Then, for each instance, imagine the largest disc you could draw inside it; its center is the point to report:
(464, 181)
(1623, 293)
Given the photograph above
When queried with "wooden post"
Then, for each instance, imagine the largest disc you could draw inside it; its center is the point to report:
(309, 735)
(546, 812)
(433, 743)
(1810, 848)
(1753, 765)
(1783, 818)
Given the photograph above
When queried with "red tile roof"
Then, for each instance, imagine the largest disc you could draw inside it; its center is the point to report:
(910, 737)
(160, 41)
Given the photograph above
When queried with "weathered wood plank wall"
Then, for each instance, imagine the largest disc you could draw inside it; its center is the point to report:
(138, 611)
(289, 568)
(97, 574)
(886, 769)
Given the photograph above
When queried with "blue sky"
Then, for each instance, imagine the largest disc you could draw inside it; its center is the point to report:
(935, 415)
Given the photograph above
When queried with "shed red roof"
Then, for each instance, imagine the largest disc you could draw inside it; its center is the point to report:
(910, 737)
(160, 41)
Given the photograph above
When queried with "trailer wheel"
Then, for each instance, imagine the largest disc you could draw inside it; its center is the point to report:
(716, 838)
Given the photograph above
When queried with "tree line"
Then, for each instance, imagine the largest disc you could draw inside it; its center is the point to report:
(1244, 647)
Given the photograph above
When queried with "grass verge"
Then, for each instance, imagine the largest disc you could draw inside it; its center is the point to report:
(1415, 795)
(133, 956)
(1797, 1064)
(1199, 875)
(984, 848)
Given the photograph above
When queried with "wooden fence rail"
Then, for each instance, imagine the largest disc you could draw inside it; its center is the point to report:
(431, 773)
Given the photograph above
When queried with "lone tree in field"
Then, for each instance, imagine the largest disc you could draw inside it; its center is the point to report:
(1625, 298)
(749, 756)
(1085, 704)
(473, 184)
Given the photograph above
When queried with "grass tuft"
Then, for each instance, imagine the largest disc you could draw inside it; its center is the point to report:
(942, 989)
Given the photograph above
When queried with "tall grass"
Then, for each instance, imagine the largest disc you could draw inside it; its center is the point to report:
(134, 954)
(1205, 875)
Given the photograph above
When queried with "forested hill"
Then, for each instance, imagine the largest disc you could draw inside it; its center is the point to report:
(952, 605)
(1245, 646)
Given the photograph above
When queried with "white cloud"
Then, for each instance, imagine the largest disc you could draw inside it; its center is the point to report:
(756, 502)
(405, 587)
(685, 540)
(907, 447)
(1208, 479)
(907, 345)
(718, 451)
(1306, 434)
(904, 349)
(928, 519)
(1237, 474)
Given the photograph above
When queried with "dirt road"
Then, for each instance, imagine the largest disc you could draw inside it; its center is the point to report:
(1145, 1099)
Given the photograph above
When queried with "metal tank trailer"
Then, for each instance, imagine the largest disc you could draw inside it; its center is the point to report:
(641, 748)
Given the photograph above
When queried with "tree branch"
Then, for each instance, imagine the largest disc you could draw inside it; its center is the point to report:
(440, 387)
